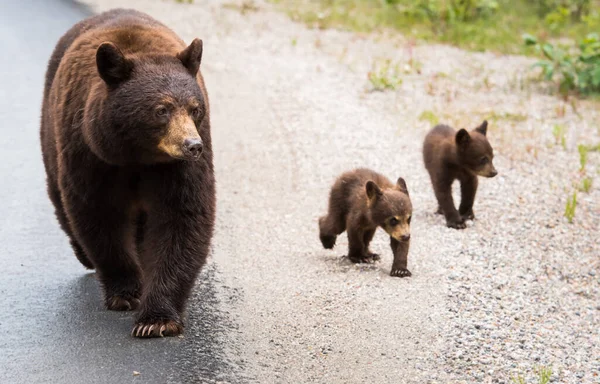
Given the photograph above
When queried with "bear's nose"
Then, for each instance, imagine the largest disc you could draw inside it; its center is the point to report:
(405, 237)
(193, 147)
(493, 173)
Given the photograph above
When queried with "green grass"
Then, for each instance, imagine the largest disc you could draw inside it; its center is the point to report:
(586, 185)
(560, 135)
(542, 376)
(429, 116)
(583, 156)
(570, 207)
(499, 31)
(385, 76)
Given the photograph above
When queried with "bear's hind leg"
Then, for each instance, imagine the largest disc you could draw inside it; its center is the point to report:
(59, 210)
(443, 193)
(330, 226)
(356, 245)
(368, 236)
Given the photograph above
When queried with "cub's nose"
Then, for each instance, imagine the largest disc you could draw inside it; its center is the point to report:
(405, 237)
(192, 147)
(493, 173)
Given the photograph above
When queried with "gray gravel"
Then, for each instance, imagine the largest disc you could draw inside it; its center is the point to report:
(518, 289)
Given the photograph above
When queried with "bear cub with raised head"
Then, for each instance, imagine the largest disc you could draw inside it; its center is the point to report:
(359, 202)
(126, 144)
(462, 155)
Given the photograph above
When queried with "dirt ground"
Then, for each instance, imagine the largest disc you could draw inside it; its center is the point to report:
(517, 290)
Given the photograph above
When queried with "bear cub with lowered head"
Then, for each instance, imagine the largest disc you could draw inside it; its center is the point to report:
(462, 155)
(127, 150)
(360, 201)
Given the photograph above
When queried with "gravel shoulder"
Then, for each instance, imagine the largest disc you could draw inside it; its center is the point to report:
(518, 289)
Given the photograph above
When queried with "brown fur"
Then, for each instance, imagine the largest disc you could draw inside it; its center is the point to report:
(462, 155)
(360, 201)
(127, 150)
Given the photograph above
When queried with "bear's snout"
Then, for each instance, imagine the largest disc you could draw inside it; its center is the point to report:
(192, 148)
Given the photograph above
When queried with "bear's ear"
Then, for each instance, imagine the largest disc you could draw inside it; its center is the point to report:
(482, 128)
(462, 138)
(191, 56)
(373, 191)
(112, 65)
(401, 184)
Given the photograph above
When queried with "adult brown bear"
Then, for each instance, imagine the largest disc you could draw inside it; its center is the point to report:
(127, 149)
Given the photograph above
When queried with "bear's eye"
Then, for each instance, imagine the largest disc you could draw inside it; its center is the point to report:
(409, 217)
(196, 112)
(161, 111)
(483, 161)
(393, 222)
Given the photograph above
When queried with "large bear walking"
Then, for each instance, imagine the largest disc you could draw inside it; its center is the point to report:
(127, 149)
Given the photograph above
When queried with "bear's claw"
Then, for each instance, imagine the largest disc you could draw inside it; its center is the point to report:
(402, 272)
(158, 329)
(122, 303)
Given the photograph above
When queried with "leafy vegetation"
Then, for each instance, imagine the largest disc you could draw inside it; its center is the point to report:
(495, 25)
(429, 116)
(543, 375)
(572, 71)
(384, 76)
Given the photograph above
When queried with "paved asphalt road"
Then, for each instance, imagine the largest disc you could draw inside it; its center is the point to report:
(54, 328)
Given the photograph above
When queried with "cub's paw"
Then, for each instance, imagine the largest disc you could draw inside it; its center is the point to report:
(158, 328)
(374, 256)
(361, 259)
(439, 211)
(121, 302)
(457, 224)
(328, 241)
(467, 216)
(400, 272)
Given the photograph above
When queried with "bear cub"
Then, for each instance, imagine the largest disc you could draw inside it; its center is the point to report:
(462, 155)
(360, 201)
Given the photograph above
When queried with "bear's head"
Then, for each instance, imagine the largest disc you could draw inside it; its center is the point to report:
(152, 107)
(390, 208)
(475, 152)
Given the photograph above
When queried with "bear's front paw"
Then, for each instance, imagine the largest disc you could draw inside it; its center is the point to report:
(122, 302)
(457, 223)
(400, 272)
(156, 328)
(374, 256)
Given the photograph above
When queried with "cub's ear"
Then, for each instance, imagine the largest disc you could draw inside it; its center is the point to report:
(482, 128)
(373, 191)
(401, 184)
(112, 65)
(191, 57)
(462, 138)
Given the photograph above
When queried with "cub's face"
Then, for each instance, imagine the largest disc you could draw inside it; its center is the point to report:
(391, 209)
(475, 152)
(154, 104)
